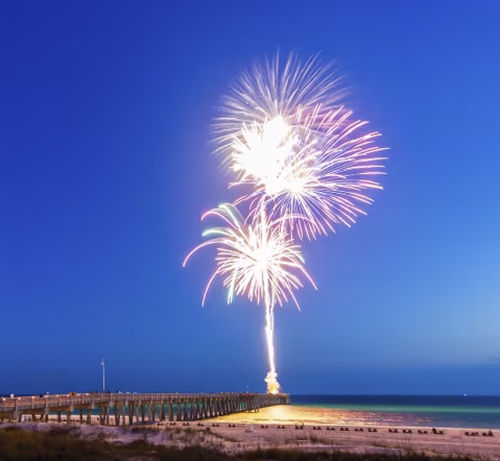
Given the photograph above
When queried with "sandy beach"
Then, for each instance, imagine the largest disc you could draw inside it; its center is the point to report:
(288, 427)
(358, 439)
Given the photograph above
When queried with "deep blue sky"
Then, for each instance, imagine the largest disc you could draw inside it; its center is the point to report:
(105, 169)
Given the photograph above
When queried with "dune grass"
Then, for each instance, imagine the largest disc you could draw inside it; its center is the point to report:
(65, 444)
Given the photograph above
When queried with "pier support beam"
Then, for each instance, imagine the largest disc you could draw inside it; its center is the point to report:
(117, 415)
(131, 409)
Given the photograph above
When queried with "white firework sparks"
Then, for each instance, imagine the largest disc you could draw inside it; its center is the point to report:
(275, 89)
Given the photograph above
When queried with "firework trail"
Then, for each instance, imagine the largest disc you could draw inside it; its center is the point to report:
(259, 261)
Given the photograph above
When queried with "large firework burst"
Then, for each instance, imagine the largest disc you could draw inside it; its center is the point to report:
(284, 133)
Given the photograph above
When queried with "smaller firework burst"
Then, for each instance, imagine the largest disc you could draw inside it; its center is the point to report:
(257, 260)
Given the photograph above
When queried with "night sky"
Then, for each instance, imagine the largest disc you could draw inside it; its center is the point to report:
(106, 167)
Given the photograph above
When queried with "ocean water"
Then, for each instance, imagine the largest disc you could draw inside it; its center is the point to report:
(432, 411)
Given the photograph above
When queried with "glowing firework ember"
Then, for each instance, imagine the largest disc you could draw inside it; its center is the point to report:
(259, 261)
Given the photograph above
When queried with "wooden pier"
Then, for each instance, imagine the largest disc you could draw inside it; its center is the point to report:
(134, 408)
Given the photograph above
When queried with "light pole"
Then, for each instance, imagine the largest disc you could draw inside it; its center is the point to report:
(103, 376)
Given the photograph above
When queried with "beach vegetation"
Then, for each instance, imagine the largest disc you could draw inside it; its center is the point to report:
(17, 444)
(318, 440)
